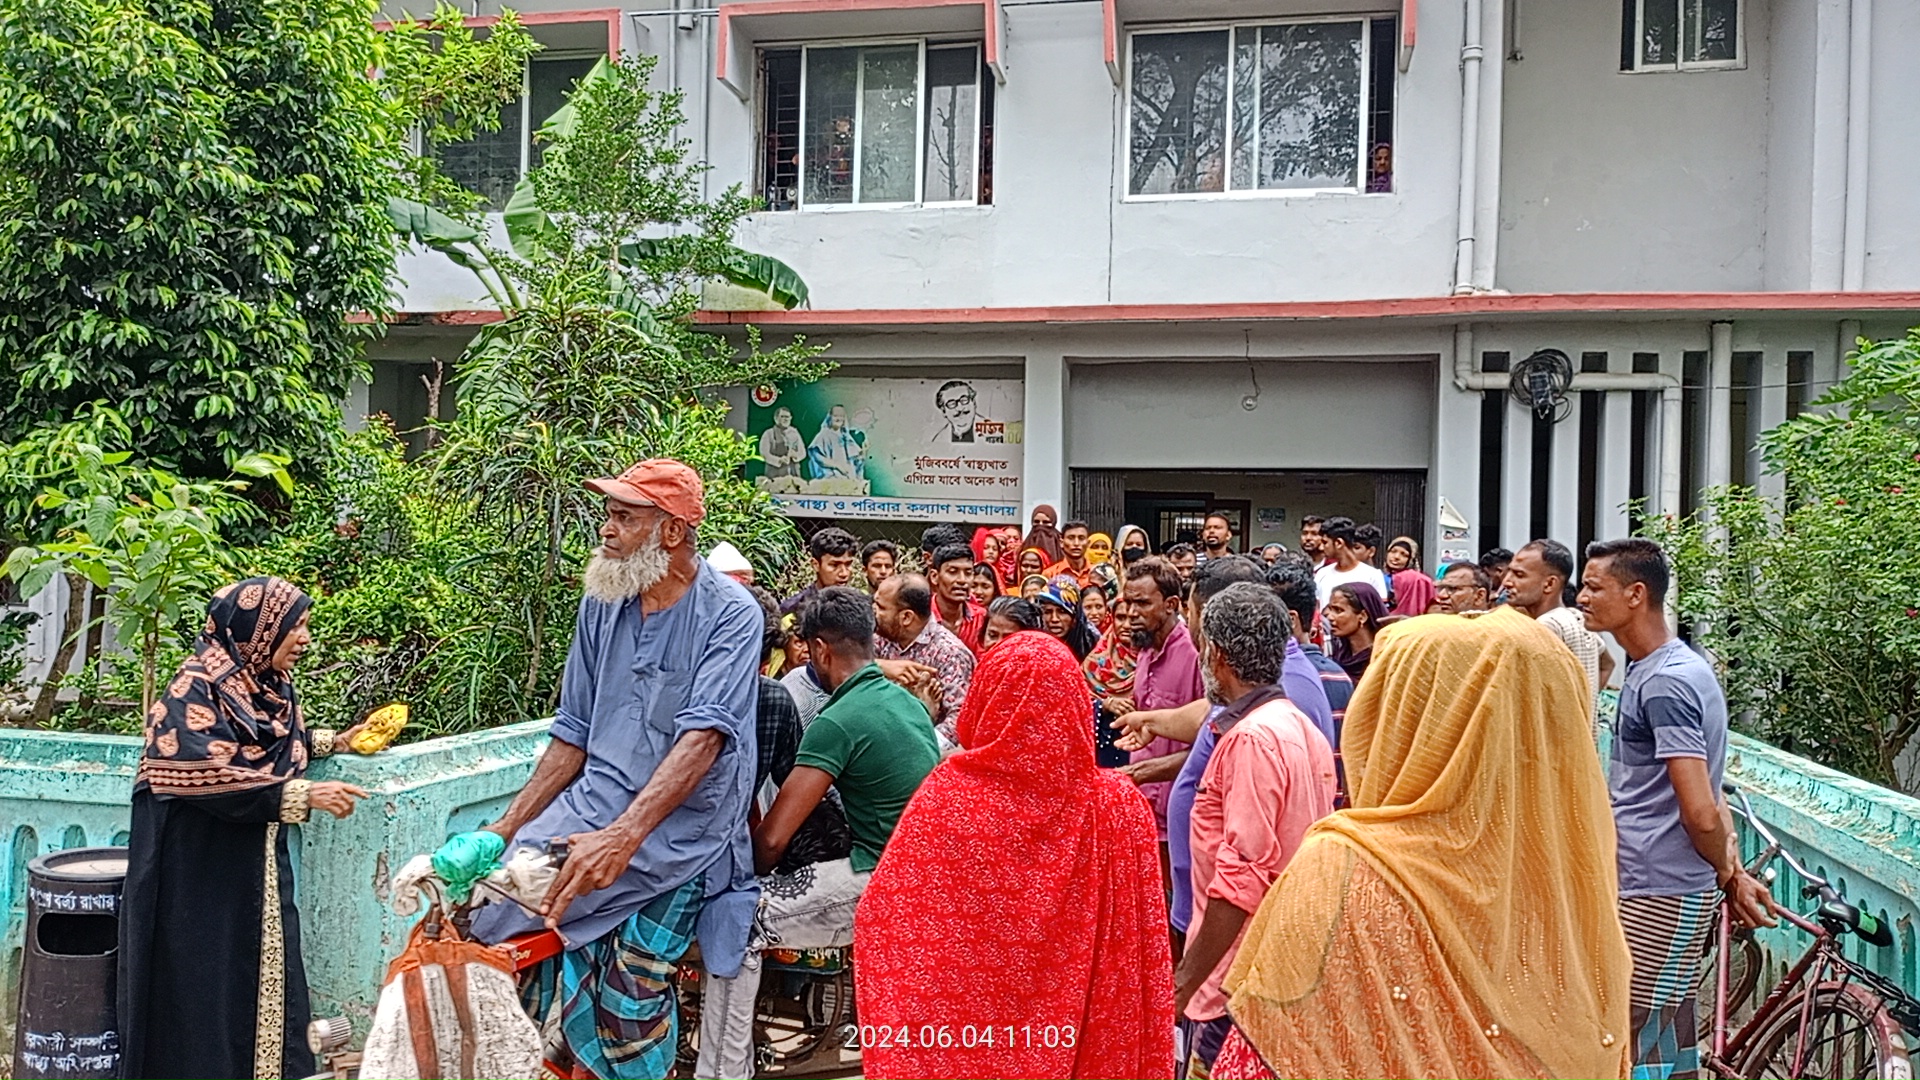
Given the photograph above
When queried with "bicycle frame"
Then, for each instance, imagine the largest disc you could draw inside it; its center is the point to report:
(1812, 967)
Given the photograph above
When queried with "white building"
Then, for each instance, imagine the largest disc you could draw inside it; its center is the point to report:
(1161, 221)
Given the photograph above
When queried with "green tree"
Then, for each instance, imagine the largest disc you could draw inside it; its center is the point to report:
(193, 210)
(150, 539)
(596, 364)
(1812, 604)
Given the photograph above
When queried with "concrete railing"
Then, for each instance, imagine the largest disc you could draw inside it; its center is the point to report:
(1862, 837)
(59, 791)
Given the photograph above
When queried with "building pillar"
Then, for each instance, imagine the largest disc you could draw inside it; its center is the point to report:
(1771, 414)
(1516, 480)
(1667, 481)
(1615, 484)
(1045, 425)
(1456, 461)
(1845, 345)
(1563, 484)
(353, 411)
(1719, 433)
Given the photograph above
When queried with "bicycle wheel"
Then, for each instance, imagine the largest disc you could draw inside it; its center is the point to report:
(1743, 977)
(1849, 1036)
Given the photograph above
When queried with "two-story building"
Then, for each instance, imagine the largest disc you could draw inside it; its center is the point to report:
(1146, 258)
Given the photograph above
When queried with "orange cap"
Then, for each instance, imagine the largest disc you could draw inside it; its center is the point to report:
(658, 482)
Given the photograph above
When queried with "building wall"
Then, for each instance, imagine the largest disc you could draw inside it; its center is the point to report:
(1060, 230)
(1310, 415)
(1893, 214)
(1616, 181)
(1726, 180)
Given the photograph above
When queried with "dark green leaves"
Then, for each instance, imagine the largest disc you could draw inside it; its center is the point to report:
(193, 214)
(1812, 601)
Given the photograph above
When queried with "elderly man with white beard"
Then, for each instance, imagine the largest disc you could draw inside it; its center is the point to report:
(648, 778)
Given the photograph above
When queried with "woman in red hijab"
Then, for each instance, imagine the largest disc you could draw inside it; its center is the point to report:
(1016, 925)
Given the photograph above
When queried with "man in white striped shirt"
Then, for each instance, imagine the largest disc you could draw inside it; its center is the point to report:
(1536, 583)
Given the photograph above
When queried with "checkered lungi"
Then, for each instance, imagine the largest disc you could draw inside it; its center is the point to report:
(1666, 935)
(607, 1009)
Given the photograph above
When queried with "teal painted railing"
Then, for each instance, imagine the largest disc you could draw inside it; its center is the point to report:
(1862, 837)
(61, 791)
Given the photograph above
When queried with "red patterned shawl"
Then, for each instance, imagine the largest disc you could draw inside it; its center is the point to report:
(1019, 899)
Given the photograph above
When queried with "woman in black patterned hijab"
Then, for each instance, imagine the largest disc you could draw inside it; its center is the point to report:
(211, 982)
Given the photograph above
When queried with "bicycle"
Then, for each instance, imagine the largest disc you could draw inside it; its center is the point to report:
(1828, 1016)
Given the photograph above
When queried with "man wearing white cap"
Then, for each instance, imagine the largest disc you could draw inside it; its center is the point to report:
(727, 559)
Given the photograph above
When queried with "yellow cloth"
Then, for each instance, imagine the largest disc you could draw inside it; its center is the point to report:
(1099, 548)
(1460, 919)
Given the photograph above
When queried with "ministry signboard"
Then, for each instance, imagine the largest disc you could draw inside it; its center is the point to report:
(903, 448)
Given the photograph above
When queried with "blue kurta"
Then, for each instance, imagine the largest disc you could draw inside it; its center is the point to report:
(633, 686)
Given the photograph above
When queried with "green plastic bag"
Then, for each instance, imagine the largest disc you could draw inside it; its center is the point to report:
(466, 859)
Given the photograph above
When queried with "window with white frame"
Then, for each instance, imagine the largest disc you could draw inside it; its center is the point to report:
(1680, 35)
(876, 124)
(492, 162)
(1300, 106)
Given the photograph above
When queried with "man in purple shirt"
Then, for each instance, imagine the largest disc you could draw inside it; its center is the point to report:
(1298, 680)
(1166, 677)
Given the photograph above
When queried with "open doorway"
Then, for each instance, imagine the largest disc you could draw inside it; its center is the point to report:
(1264, 505)
(1175, 517)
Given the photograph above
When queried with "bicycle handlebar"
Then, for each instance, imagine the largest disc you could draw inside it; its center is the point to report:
(1835, 911)
(1821, 886)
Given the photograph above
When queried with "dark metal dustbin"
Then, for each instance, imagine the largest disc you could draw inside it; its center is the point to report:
(66, 1026)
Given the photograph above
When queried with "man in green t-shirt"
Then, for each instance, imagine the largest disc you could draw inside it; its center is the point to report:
(873, 743)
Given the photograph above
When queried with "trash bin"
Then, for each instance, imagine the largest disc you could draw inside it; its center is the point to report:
(66, 1026)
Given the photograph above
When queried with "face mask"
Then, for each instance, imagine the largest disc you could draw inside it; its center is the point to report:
(1132, 554)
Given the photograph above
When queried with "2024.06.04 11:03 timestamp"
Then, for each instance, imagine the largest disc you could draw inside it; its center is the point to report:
(965, 1036)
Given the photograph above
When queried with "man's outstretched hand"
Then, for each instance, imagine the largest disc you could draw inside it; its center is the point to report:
(595, 860)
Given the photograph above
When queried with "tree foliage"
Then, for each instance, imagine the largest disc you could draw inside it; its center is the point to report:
(452, 582)
(148, 537)
(1813, 604)
(193, 209)
(596, 365)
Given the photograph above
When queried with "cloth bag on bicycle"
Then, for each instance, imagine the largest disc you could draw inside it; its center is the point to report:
(450, 1008)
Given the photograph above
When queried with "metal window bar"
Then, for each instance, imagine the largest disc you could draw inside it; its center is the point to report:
(1363, 118)
(859, 120)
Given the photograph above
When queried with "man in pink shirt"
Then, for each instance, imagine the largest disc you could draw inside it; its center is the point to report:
(1271, 776)
(1167, 675)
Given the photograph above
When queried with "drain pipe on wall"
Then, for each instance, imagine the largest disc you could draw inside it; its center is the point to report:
(1470, 57)
(1853, 258)
(1468, 378)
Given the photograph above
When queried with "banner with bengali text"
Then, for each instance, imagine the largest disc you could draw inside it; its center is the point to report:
(908, 449)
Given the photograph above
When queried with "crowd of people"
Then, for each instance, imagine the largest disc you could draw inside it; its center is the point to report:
(1088, 809)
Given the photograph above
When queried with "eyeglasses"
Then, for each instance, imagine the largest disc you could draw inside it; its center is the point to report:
(955, 403)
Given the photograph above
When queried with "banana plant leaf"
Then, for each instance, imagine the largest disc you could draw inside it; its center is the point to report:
(762, 273)
(420, 222)
(527, 224)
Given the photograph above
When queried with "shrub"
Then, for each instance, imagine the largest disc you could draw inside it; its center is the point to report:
(1812, 604)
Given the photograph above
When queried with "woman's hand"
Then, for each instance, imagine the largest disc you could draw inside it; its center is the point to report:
(334, 796)
(343, 740)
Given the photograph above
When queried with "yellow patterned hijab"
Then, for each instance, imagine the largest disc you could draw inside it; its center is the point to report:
(1478, 801)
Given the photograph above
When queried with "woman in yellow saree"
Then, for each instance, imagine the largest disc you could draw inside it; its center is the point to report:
(1459, 919)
